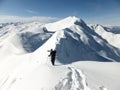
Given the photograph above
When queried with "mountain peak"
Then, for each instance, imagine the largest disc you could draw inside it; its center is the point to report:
(72, 19)
(65, 23)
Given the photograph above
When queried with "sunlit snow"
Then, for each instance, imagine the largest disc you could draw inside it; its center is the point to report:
(87, 56)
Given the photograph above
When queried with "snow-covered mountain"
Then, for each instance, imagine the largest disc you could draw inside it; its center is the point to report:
(110, 33)
(25, 64)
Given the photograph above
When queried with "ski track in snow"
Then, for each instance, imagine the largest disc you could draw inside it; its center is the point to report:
(75, 80)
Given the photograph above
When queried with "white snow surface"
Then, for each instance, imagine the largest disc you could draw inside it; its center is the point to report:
(25, 65)
(76, 76)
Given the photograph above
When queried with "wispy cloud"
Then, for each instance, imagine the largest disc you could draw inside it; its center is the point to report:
(41, 19)
(31, 11)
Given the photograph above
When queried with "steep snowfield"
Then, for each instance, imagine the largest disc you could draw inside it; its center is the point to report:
(25, 65)
(111, 34)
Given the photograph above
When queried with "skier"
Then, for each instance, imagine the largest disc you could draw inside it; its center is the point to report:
(52, 54)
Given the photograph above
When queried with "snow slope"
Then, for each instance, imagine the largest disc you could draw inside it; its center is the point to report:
(76, 76)
(25, 64)
(49, 78)
(111, 34)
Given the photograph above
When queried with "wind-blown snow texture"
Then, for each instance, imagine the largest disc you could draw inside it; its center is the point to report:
(25, 65)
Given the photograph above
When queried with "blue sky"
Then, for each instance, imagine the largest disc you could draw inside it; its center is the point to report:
(91, 11)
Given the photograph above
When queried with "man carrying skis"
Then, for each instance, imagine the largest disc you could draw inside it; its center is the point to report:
(53, 55)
